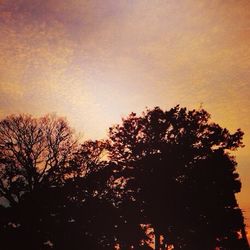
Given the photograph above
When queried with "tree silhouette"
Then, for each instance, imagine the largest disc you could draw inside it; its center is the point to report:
(108, 221)
(83, 212)
(176, 165)
(168, 170)
(34, 164)
(34, 152)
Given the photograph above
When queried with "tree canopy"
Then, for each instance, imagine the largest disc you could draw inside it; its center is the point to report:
(34, 152)
(178, 168)
(166, 177)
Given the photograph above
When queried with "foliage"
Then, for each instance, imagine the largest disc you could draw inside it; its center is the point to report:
(169, 170)
(177, 167)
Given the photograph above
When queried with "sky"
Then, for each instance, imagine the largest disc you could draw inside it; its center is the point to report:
(96, 61)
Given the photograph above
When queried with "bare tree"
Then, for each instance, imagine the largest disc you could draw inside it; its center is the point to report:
(33, 152)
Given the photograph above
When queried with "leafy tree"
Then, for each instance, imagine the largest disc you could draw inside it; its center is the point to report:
(66, 214)
(80, 212)
(169, 169)
(106, 220)
(176, 164)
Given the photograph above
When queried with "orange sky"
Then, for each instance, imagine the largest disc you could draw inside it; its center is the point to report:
(96, 61)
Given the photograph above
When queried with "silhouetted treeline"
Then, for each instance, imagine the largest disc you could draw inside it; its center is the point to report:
(162, 180)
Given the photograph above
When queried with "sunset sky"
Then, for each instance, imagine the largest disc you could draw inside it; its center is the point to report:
(96, 61)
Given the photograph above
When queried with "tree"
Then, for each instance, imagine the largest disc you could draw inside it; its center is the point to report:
(177, 166)
(105, 220)
(34, 152)
(72, 212)
(34, 166)
(171, 170)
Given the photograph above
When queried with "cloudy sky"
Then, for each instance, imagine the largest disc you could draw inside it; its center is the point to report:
(96, 61)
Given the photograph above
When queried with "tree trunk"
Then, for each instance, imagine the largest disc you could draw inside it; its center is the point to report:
(164, 243)
(157, 240)
(244, 236)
